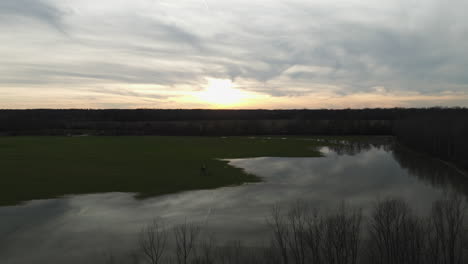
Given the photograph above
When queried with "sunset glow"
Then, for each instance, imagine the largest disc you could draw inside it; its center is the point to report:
(221, 92)
(207, 54)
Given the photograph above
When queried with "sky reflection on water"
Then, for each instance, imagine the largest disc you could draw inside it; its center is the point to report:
(82, 228)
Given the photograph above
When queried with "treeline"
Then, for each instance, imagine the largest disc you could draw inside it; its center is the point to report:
(209, 122)
(127, 115)
(443, 134)
(441, 175)
(391, 233)
(198, 122)
(202, 128)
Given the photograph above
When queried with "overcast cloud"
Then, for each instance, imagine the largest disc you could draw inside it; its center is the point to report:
(289, 54)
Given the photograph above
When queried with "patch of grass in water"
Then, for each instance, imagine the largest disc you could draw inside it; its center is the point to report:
(48, 167)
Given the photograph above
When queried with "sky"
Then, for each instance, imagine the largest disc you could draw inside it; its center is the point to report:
(233, 54)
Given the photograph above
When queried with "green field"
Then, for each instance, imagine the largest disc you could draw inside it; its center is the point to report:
(47, 167)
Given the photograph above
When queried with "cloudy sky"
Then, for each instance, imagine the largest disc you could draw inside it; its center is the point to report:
(233, 54)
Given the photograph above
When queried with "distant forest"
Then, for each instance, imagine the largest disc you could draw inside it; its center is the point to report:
(441, 132)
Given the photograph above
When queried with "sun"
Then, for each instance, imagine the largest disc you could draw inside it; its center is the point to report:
(221, 92)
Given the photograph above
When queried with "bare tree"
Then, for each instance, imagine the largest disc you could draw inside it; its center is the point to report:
(342, 232)
(396, 234)
(153, 241)
(446, 238)
(301, 235)
(314, 236)
(232, 253)
(278, 225)
(305, 237)
(186, 236)
(297, 230)
(207, 250)
(271, 255)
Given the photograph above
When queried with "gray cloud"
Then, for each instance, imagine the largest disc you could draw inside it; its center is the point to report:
(93, 72)
(126, 92)
(282, 49)
(39, 10)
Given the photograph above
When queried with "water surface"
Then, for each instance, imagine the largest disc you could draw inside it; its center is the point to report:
(88, 228)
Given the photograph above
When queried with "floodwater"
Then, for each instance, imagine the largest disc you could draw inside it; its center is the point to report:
(90, 228)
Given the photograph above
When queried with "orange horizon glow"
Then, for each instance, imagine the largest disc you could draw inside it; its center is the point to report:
(219, 93)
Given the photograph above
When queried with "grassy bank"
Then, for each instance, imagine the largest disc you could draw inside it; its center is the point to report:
(47, 167)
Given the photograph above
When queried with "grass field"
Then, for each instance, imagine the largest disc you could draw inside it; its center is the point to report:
(47, 167)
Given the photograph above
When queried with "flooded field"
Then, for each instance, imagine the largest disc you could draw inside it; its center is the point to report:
(90, 228)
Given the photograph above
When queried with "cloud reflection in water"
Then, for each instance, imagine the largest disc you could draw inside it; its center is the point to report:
(82, 228)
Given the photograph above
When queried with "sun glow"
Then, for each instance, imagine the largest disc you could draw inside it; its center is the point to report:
(221, 92)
